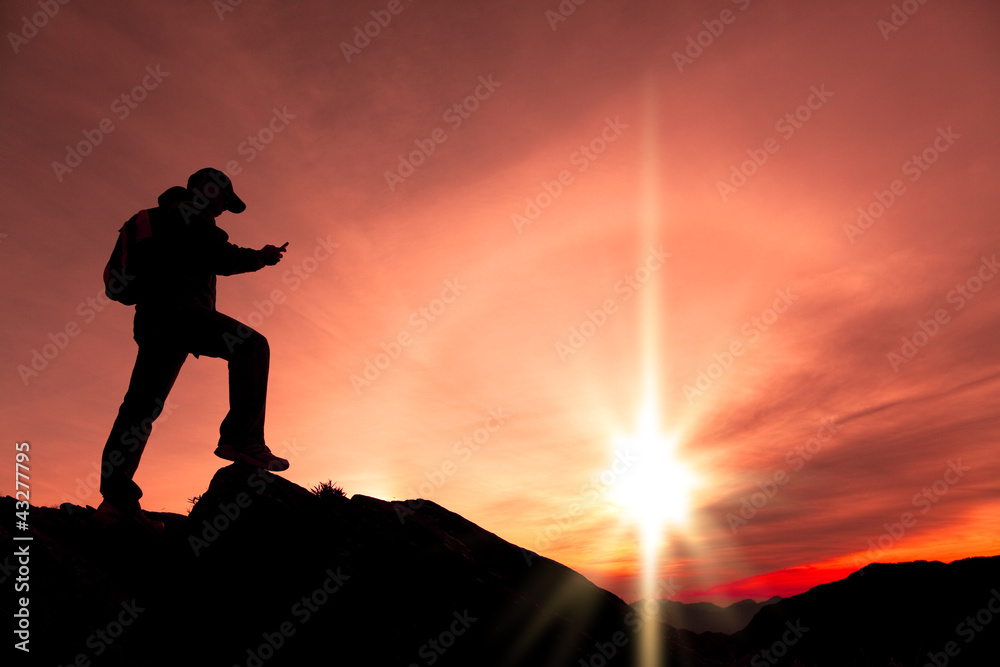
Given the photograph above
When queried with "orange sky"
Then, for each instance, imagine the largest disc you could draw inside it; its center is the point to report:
(571, 202)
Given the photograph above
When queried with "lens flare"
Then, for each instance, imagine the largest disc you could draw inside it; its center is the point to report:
(655, 491)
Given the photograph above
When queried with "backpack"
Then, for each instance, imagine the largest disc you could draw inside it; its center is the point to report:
(123, 272)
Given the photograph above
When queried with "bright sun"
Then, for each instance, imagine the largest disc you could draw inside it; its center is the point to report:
(654, 490)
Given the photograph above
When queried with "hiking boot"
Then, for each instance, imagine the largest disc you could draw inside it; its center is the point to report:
(257, 455)
(111, 515)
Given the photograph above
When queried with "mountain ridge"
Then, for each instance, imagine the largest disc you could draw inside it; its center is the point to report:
(263, 572)
(707, 616)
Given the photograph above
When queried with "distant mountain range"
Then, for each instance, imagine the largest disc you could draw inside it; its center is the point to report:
(707, 617)
(264, 573)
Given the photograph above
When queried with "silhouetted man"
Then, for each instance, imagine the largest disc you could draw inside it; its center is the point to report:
(175, 316)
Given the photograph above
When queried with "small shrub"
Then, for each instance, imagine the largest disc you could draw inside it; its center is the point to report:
(329, 491)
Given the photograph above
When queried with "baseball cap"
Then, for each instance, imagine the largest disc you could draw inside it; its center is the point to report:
(211, 175)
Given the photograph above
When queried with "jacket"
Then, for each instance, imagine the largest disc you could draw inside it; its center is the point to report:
(189, 251)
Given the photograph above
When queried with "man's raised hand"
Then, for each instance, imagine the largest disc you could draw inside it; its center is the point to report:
(271, 255)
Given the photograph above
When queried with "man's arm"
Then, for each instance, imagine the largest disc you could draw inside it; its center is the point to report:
(229, 259)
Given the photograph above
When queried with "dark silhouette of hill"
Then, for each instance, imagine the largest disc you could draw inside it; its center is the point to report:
(264, 573)
(707, 617)
(902, 614)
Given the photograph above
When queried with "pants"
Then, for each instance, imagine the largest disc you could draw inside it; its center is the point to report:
(165, 339)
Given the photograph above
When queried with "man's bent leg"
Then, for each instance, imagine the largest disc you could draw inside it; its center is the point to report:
(248, 370)
(156, 369)
(248, 354)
